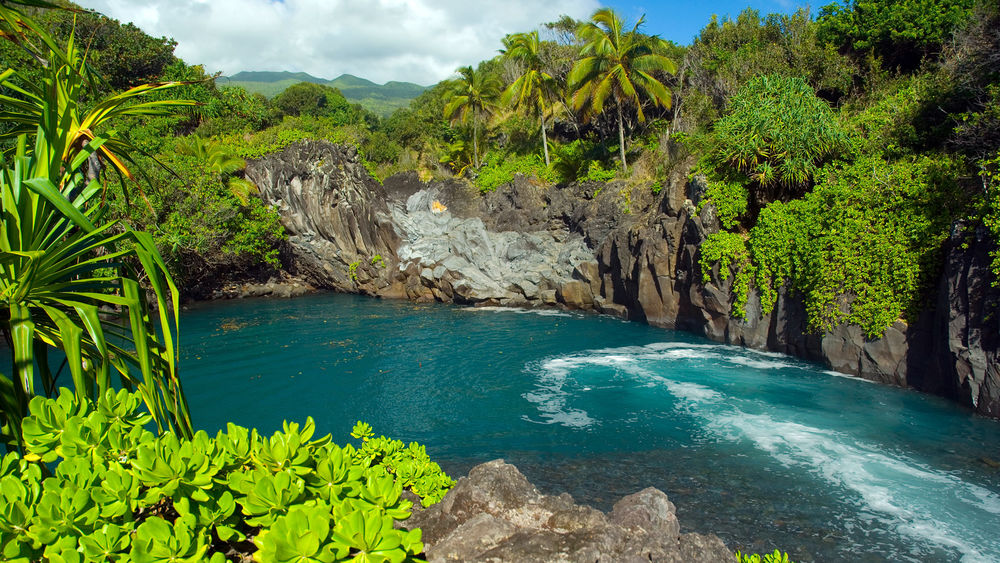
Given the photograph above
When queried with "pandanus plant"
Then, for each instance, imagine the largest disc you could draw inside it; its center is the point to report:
(71, 281)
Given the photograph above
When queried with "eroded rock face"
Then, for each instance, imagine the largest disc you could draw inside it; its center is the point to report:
(967, 325)
(495, 515)
(339, 227)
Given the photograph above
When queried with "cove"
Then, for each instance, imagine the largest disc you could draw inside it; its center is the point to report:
(764, 450)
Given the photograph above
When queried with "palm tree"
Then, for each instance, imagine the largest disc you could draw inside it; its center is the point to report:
(475, 97)
(618, 65)
(221, 161)
(63, 264)
(534, 88)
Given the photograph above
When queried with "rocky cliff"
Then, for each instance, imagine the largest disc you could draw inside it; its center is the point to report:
(610, 248)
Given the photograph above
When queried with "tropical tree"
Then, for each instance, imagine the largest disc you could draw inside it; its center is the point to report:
(221, 161)
(475, 97)
(618, 66)
(535, 88)
(63, 265)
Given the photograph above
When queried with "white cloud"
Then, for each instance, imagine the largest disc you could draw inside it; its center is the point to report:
(420, 41)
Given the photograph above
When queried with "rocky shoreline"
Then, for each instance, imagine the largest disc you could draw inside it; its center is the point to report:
(494, 514)
(614, 249)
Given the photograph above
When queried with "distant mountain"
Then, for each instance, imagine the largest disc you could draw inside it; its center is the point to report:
(265, 76)
(380, 99)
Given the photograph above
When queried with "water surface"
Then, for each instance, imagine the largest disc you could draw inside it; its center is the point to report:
(762, 449)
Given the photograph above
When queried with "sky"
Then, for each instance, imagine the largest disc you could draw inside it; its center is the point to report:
(421, 41)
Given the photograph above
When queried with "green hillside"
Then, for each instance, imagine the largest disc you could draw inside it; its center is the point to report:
(380, 99)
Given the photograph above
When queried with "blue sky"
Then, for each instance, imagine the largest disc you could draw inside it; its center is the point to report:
(420, 41)
(681, 21)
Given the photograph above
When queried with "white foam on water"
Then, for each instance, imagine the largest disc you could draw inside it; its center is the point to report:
(519, 311)
(915, 500)
(757, 363)
(550, 395)
(847, 376)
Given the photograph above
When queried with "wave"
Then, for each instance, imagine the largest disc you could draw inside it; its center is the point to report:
(518, 310)
(912, 499)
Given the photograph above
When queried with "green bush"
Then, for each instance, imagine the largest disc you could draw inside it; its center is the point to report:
(583, 160)
(500, 168)
(776, 557)
(776, 134)
(120, 494)
(729, 198)
(862, 248)
(900, 31)
(990, 173)
(729, 251)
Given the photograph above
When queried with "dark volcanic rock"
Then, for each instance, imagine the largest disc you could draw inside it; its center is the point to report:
(335, 214)
(495, 514)
(967, 325)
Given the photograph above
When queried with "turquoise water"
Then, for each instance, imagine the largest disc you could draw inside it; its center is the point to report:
(762, 449)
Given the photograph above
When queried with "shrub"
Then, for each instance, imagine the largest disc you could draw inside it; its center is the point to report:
(862, 248)
(118, 493)
(776, 557)
(729, 198)
(500, 168)
(777, 134)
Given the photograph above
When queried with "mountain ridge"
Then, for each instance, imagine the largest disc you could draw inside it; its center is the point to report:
(382, 99)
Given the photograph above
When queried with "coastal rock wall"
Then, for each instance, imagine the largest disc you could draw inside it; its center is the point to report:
(612, 248)
(340, 230)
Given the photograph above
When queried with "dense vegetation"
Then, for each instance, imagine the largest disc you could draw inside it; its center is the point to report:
(84, 478)
(119, 493)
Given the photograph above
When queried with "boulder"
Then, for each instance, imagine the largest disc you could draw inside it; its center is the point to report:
(494, 514)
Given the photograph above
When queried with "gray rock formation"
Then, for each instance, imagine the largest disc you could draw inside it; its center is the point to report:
(495, 514)
(612, 248)
(339, 227)
(451, 258)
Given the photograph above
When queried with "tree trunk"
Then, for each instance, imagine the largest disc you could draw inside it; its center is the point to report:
(621, 138)
(545, 141)
(475, 141)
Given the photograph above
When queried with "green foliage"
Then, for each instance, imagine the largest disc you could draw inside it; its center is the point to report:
(729, 251)
(582, 160)
(120, 494)
(352, 270)
(198, 221)
(728, 53)
(990, 173)
(900, 31)
(729, 199)
(777, 133)
(474, 97)
(500, 168)
(776, 557)
(121, 53)
(861, 248)
(619, 65)
(62, 260)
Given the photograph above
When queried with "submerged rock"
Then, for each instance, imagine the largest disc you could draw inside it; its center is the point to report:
(496, 515)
